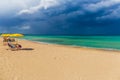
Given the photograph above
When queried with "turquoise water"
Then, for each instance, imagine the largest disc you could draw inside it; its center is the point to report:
(107, 42)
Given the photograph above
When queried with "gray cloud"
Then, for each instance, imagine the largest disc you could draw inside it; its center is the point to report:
(113, 14)
(65, 17)
(101, 5)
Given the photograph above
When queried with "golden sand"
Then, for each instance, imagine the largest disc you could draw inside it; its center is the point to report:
(55, 62)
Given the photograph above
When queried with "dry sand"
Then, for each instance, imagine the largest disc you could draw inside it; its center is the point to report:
(55, 62)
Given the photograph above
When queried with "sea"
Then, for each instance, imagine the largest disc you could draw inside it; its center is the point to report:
(101, 42)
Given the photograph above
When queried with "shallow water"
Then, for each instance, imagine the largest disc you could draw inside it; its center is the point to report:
(107, 42)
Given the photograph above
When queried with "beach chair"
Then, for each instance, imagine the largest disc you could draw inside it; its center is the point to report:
(14, 47)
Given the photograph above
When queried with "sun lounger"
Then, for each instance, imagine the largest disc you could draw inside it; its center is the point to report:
(14, 46)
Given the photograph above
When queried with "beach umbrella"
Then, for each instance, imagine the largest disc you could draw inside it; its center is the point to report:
(5, 35)
(16, 35)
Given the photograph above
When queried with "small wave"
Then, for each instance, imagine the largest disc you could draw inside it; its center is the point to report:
(110, 49)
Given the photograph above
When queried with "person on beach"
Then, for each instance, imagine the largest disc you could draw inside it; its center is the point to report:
(5, 40)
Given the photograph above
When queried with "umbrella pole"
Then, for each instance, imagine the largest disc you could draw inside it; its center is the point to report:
(16, 41)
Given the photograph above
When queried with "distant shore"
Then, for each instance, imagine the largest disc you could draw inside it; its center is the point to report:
(58, 62)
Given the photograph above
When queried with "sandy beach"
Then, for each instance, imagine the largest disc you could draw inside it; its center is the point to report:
(56, 62)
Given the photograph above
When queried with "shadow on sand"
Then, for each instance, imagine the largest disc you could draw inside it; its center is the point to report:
(27, 49)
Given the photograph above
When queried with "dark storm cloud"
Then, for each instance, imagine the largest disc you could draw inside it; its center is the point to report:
(69, 17)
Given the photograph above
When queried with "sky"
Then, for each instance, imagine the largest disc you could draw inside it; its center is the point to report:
(76, 17)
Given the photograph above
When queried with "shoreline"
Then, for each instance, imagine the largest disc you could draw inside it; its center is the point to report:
(74, 46)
